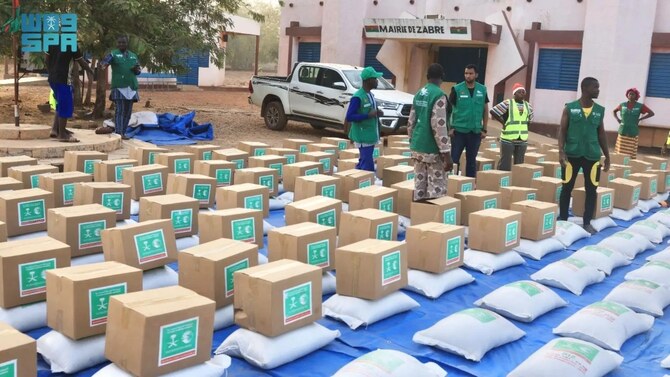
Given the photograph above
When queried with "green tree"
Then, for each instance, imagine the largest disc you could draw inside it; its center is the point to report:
(241, 48)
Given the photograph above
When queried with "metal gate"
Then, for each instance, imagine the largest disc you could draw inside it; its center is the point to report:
(309, 52)
(193, 62)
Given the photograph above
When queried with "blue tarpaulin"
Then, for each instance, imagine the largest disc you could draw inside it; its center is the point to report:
(173, 130)
(642, 353)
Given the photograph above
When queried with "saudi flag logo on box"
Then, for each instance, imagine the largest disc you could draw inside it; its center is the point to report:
(327, 218)
(229, 272)
(254, 202)
(385, 231)
(98, 302)
(453, 250)
(297, 303)
(606, 202)
(386, 204)
(244, 230)
(9, 369)
(32, 277)
(318, 253)
(548, 223)
(182, 220)
(449, 216)
(178, 341)
(511, 233)
(391, 268)
(150, 246)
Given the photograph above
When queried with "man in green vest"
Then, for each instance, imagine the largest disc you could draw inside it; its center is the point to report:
(125, 68)
(515, 115)
(469, 119)
(429, 138)
(580, 141)
(363, 115)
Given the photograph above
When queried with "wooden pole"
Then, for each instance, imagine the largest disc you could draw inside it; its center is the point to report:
(15, 50)
(258, 44)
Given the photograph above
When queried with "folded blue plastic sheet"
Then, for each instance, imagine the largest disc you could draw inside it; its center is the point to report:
(173, 130)
(642, 353)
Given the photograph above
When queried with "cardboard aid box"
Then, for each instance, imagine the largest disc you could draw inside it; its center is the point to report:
(7, 184)
(401, 151)
(145, 155)
(83, 161)
(261, 176)
(382, 198)
(238, 224)
(63, 186)
(323, 147)
(607, 176)
(269, 161)
(539, 219)
(298, 144)
(649, 184)
(477, 200)
(347, 164)
(485, 164)
(30, 174)
(181, 210)
(552, 169)
(459, 183)
(222, 171)
(435, 247)
(10, 161)
(620, 159)
(658, 163)
(80, 227)
(208, 268)
(639, 166)
(78, 297)
(253, 148)
(145, 180)
(308, 243)
(236, 156)
(196, 186)
(663, 181)
(319, 184)
(399, 173)
(354, 179)
(626, 193)
(493, 180)
(444, 210)
(523, 174)
(202, 152)
(494, 230)
(18, 353)
(513, 194)
(622, 171)
(3, 232)
(25, 211)
(341, 143)
(154, 332)
(548, 189)
(367, 223)
(245, 195)
(534, 158)
(291, 155)
(23, 265)
(327, 160)
(405, 197)
(115, 196)
(299, 169)
(278, 297)
(387, 161)
(348, 154)
(111, 170)
(604, 202)
(319, 209)
(146, 245)
(371, 269)
(177, 162)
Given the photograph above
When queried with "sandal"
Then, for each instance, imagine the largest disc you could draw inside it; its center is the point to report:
(70, 139)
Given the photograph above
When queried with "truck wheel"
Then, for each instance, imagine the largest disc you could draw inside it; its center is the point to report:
(275, 119)
(317, 126)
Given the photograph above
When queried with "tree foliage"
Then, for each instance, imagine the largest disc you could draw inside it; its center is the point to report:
(241, 48)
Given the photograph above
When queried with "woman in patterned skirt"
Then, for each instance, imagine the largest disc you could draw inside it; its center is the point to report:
(632, 112)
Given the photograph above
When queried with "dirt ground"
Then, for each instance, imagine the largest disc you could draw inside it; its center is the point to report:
(234, 119)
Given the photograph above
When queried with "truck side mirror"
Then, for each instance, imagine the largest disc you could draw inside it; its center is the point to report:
(339, 85)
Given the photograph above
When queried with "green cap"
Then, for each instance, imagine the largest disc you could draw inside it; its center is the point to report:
(370, 73)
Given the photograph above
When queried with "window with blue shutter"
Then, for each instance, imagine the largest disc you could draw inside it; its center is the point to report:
(309, 52)
(659, 76)
(371, 51)
(558, 69)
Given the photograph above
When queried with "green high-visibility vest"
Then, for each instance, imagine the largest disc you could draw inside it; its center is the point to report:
(582, 138)
(630, 119)
(468, 113)
(516, 126)
(423, 139)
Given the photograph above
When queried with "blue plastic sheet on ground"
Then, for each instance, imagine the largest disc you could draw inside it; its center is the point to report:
(173, 130)
(642, 353)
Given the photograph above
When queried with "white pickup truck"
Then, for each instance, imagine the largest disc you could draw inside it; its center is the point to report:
(319, 94)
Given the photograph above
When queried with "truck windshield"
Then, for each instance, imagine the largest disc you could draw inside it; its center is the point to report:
(354, 77)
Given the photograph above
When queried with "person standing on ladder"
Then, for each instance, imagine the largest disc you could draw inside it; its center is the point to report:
(515, 115)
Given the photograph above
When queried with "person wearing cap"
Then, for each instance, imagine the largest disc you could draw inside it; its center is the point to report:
(363, 115)
(514, 114)
(429, 138)
(469, 109)
(629, 130)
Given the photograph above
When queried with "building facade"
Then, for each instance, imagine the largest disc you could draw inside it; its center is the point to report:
(547, 45)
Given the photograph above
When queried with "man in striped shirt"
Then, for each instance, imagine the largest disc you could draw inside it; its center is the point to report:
(515, 121)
